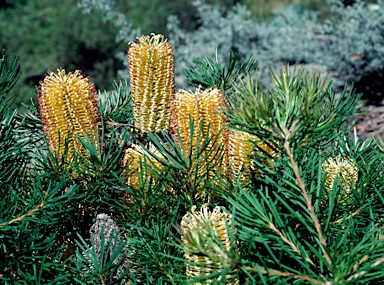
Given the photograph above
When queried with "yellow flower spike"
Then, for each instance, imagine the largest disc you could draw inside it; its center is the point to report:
(183, 108)
(204, 105)
(340, 168)
(134, 161)
(201, 233)
(210, 104)
(68, 109)
(240, 149)
(152, 80)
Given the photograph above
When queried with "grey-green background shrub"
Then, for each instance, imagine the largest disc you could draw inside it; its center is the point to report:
(348, 44)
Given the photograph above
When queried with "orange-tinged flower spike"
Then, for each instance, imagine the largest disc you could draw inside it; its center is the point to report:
(152, 80)
(340, 168)
(68, 109)
(206, 237)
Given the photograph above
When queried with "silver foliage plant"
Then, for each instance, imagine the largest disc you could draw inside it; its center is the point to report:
(220, 32)
(354, 39)
(348, 44)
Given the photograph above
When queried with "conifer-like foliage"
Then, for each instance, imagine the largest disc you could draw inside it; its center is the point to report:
(249, 185)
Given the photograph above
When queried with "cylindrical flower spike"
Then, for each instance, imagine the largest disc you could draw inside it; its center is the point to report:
(202, 107)
(343, 169)
(241, 147)
(134, 162)
(205, 109)
(68, 109)
(210, 104)
(206, 237)
(183, 109)
(151, 72)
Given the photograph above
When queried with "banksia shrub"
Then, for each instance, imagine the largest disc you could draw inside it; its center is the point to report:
(289, 224)
(68, 109)
(151, 72)
(209, 245)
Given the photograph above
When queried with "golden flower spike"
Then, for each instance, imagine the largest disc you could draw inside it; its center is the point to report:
(206, 237)
(68, 109)
(203, 105)
(343, 169)
(151, 72)
(184, 108)
(134, 161)
(240, 149)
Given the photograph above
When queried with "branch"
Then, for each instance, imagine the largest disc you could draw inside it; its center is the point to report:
(375, 264)
(30, 213)
(120, 124)
(307, 200)
(348, 217)
(284, 238)
(359, 274)
(284, 274)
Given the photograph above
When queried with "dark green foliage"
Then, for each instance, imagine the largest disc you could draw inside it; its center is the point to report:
(46, 38)
(275, 225)
(8, 78)
(11, 154)
(298, 103)
(155, 251)
(209, 73)
(30, 231)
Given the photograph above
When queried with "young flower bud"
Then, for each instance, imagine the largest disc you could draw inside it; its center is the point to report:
(208, 247)
(151, 72)
(342, 169)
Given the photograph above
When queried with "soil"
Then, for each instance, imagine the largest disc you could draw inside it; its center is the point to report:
(370, 121)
